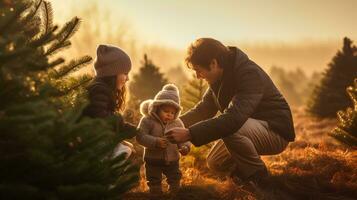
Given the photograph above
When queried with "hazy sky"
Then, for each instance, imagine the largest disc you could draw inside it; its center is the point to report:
(176, 23)
(284, 33)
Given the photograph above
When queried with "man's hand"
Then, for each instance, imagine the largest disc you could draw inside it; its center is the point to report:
(178, 135)
(162, 143)
(184, 150)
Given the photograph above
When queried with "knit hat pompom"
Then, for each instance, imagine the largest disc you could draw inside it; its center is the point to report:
(169, 92)
(170, 87)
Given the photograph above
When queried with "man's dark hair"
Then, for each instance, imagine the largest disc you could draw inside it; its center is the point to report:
(203, 50)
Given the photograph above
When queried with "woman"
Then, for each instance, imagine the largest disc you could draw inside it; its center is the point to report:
(107, 91)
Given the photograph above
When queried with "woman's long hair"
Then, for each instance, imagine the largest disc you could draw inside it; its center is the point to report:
(118, 96)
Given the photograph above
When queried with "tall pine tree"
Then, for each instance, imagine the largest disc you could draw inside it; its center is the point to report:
(47, 150)
(146, 83)
(346, 131)
(329, 96)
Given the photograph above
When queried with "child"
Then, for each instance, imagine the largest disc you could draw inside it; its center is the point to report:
(160, 156)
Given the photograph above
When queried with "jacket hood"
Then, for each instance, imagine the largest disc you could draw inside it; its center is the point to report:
(239, 56)
(149, 107)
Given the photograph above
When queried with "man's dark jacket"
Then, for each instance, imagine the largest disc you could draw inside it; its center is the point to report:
(245, 91)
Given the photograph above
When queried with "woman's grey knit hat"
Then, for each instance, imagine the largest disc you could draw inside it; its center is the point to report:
(110, 61)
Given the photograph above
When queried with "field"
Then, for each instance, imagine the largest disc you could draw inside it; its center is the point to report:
(315, 166)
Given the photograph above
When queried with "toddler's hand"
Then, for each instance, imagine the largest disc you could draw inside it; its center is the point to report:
(162, 143)
(184, 150)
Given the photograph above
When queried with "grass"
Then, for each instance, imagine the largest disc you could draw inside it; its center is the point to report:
(315, 166)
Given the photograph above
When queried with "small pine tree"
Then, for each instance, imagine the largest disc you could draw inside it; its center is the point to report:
(177, 75)
(146, 83)
(346, 131)
(193, 93)
(329, 96)
(47, 150)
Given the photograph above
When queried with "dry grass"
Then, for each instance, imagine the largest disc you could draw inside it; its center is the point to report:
(315, 166)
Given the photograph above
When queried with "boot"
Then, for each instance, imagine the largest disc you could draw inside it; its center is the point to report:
(155, 190)
(173, 188)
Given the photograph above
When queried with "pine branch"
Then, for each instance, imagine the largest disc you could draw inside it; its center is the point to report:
(80, 82)
(68, 30)
(14, 16)
(193, 94)
(122, 186)
(47, 12)
(44, 39)
(72, 84)
(4, 58)
(55, 47)
(26, 23)
(342, 118)
(344, 137)
(31, 46)
(34, 11)
(71, 67)
(37, 65)
(55, 63)
(192, 99)
(62, 37)
(188, 105)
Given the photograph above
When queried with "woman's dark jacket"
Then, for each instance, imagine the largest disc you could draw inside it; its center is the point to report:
(102, 105)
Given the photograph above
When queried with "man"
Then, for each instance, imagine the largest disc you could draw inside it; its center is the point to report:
(255, 119)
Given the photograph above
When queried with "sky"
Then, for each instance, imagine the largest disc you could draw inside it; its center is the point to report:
(177, 23)
(283, 33)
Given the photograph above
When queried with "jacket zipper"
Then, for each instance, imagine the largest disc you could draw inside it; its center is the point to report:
(216, 101)
(165, 154)
(166, 157)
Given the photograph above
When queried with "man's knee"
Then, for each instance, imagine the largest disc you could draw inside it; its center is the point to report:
(235, 141)
(247, 134)
(212, 163)
(214, 158)
(221, 168)
(251, 126)
(220, 161)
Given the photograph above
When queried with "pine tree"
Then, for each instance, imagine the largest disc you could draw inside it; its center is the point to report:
(193, 93)
(346, 131)
(47, 150)
(146, 83)
(329, 96)
(177, 75)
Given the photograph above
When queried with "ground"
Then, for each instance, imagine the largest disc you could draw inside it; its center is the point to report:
(315, 166)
